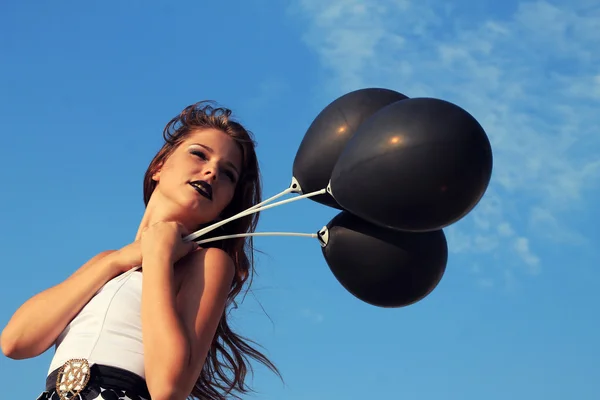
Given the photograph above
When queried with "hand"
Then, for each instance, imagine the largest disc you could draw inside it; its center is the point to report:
(165, 240)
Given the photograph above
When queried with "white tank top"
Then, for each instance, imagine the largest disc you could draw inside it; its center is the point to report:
(108, 330)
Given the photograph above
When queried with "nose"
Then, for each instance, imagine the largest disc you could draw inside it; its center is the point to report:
(210, 172)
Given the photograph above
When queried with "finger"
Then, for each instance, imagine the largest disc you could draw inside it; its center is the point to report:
(193, 246)
(182, 229)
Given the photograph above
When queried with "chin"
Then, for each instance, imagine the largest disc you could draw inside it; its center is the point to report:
(185, 213)
(191, 211)
(193, 216)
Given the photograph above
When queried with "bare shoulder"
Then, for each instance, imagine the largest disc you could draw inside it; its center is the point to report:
(211, 261)
(206, 266)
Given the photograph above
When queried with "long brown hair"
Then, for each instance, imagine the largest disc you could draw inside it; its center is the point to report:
(227, 362)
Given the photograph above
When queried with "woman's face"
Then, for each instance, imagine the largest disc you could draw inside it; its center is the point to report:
(198, 180)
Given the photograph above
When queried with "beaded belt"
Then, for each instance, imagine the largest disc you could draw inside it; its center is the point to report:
(76, 374)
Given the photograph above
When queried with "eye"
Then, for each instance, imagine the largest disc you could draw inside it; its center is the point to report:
(230, 175)
(199, 154)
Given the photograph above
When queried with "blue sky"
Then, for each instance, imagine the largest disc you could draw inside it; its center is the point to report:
(86, 88)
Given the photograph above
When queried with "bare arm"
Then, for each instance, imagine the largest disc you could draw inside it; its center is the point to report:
(178, 328)
(35, 326)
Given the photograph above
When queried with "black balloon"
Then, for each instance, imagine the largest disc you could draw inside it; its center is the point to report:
(383, 267)
(416, 165)
(327, 135)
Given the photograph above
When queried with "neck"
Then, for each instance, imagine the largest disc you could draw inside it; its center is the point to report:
(162, 209)
(154, 213)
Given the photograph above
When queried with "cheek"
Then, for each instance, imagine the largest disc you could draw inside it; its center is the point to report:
(166, 177)
(227, 194)
(174, 171)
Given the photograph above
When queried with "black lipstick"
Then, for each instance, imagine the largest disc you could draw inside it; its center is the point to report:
(204, 188)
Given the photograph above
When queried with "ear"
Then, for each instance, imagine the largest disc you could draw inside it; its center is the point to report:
(156, 175)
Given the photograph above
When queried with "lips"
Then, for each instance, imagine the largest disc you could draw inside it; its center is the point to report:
(203, 188)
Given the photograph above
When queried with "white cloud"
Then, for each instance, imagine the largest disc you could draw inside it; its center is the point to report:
(505, 230)
(542, 221)
(532, 79)
(521, 246)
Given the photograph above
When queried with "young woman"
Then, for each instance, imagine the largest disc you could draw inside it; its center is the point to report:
(159, 333)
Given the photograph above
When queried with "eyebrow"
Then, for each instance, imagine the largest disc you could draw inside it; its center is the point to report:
(210, 150)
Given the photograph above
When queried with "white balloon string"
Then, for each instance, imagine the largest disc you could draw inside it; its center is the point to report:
(250, 211)
(254, 209)
(270, 199)
(239, 235)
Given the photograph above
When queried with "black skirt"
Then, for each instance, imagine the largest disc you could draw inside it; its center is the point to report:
(105, 383)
